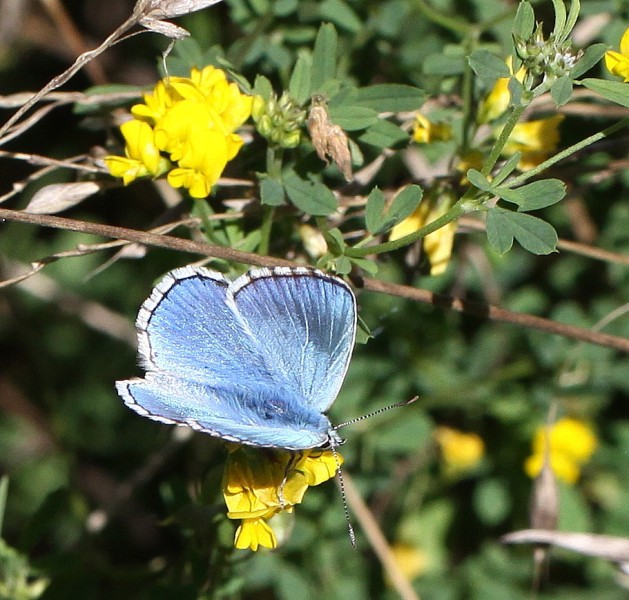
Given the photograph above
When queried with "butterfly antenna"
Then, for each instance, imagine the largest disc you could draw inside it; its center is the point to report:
(377, 412)
(350, 529)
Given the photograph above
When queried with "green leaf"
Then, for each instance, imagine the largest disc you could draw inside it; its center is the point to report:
(283, 8)
(590, 57)
(334, 239)
(479, 180)
(262, 87)
(343, 265)
(388, 97)
(560, 18)
(366, 264)
(488, 66)
(340, 13)
(499, 234)
(312, 198)
(261, 7)
(405, 202)
(616, 91)
(272, 192)
(534, 196)
(492, 501)
(573, 15)
(374, 210)
(299, 84)
(533, 234)
(383, 134)
(516, 90)
(444, 64)
(506, 169)
(561, 90)
(378, 219)
(324, 56)
(524, 21)
(352, 118)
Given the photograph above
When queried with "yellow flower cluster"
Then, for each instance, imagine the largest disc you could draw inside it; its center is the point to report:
(618, 62)
(535, 140)
(572, 443)
(437, 245)
(184, 128)
(260, 484)
(460, 451)
(426, 132)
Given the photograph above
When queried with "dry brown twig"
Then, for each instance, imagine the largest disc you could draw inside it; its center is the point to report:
(478, 309)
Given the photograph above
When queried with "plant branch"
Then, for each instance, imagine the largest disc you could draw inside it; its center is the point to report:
(454, 213)
(494, 313)
(601, 135)
(477, 309)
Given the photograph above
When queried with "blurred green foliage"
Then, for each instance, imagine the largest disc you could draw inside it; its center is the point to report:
(103, 504)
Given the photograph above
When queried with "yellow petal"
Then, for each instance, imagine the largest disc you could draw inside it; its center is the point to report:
(563, 467)
(438, 247)
(624, 43)
(409, 225)
(319, 466)
(460, 451)
(254, 533)
(617, 64)
(571, 437)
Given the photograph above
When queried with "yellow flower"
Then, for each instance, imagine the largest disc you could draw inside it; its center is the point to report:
(191, 120)
(438, 244)
(253, 533)
(142, 155)
(460, 451)
(563, 467)
(425, 131)
(536, 140)
(411, 559)
(498, 99)
(618, 62)
(572, 443)
(156, 103)
(259, 484)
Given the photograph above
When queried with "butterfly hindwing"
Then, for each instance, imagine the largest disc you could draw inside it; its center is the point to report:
(255, 415)
(306, 321)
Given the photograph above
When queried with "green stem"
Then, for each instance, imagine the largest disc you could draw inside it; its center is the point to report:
(447, 22)
(274, 161)
(468, 95)
(512, 120)
(569, 151)
(460, 208)
(205, 211)
(4, 492)
(274, 164)
(268, 212)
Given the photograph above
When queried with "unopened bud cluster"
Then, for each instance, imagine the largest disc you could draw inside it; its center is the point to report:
(546, 58)
(279, 121)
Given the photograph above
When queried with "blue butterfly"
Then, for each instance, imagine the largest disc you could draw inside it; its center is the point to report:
(258, 360)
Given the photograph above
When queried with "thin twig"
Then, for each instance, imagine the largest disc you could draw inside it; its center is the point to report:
(494, 313)
(478, 309)
(72, 36)
(378, 542)
(84, 58)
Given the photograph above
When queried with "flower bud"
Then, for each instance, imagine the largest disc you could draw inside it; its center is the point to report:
(279, 121)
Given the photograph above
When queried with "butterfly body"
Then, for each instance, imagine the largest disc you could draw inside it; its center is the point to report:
(258, 360)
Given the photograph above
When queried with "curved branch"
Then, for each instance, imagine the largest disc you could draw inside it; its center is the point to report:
(478, 309)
